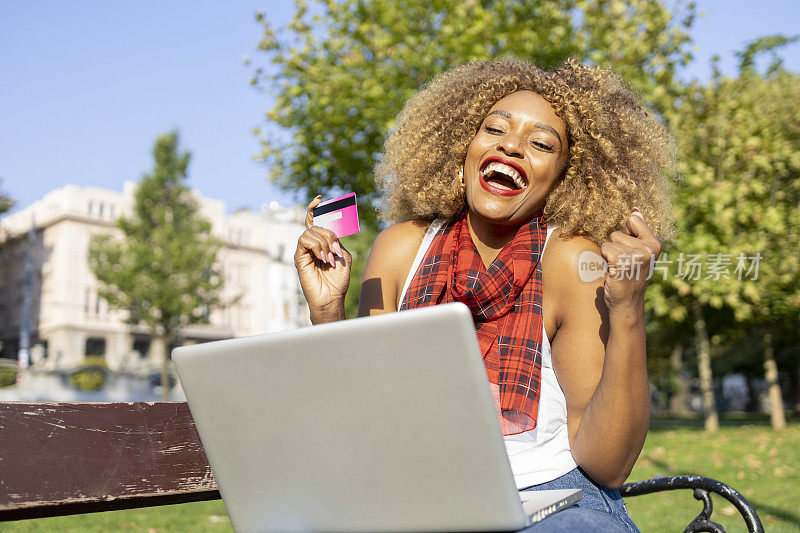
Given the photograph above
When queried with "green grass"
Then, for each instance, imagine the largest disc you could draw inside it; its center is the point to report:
(750, 457)
(746, 454)
(201, 517)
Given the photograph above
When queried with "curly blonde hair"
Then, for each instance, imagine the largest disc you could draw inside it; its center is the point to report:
(618, 152)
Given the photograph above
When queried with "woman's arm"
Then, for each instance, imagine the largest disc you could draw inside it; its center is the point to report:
(323, 266)
(599, 350)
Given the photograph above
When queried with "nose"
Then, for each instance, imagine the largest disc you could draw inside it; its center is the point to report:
(510, 145)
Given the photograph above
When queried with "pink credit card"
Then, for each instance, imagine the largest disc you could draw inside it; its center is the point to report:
(339, 215)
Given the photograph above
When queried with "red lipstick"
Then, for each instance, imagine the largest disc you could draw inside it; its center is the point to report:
(501, 191)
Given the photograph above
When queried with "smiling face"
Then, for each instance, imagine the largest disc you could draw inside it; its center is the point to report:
(514, 160)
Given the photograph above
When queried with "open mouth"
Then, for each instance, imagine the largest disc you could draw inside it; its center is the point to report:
(502, 177)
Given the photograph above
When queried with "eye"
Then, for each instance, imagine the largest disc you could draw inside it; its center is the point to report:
(493, 130)
(541, 145)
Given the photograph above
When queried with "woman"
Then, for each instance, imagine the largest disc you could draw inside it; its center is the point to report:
(488, 165)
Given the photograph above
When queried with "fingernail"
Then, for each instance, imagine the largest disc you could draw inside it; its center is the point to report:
(636, 211)
(331, 260)
(337, 249)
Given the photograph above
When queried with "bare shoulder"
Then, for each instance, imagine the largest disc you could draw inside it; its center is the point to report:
(394, 250)
(572, 274)
(570, 258)
(400, 241)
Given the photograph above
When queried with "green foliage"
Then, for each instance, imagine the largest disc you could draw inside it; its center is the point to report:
(764, 44)
(739, 142)
(163, 270)
(6, 204)
(740, 145)
(90, 375)
(95, 361)
(8, 376)
(341, 70)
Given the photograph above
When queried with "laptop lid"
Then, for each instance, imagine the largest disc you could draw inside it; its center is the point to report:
(383, 423)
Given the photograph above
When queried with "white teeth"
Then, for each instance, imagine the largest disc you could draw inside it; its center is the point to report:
(508, 170)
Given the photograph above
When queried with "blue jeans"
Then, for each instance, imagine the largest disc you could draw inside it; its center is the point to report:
(601, 509)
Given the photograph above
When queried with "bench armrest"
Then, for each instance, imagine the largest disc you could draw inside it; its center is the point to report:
(701, 487)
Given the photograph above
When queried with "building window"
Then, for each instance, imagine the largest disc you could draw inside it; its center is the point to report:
(87, 305)
(102, 209)
(91, 208)
(9, 349)
(142, 346)
(95, 347)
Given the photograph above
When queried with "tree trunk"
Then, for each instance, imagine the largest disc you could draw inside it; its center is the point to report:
(678, 402)
(704, 364)
(776, 415)
(159, 349)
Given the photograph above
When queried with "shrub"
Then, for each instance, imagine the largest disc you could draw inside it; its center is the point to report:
(91, 375)
(8, 376)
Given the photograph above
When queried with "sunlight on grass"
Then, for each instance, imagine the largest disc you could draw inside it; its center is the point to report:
(753, 459)
(201, 517)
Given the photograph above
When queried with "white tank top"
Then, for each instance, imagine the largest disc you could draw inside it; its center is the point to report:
(541, 454)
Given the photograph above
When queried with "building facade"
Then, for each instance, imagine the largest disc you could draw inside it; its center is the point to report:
(68, 321)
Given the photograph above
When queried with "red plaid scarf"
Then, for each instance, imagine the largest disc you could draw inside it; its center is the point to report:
(506, 305)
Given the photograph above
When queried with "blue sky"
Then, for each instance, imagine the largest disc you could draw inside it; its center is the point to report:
(86, 86)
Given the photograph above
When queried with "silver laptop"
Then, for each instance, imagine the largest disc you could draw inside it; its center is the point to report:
(383, 423)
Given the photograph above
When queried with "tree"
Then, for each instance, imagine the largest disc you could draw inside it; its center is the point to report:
(342, 70)
(163, 270)
(740, 145)
(6, 203)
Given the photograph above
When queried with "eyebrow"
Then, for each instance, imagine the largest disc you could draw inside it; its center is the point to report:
(540, 125)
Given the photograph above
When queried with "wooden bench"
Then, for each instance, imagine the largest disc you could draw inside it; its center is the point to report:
(68, 458)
